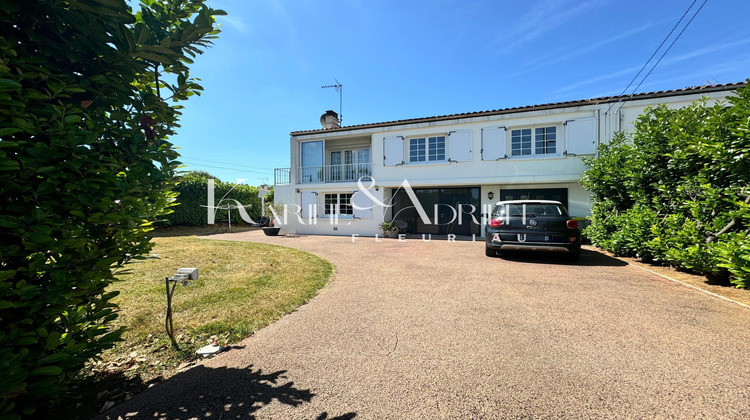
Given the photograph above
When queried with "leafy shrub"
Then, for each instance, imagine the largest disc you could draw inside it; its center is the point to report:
(666, 191)
(603, 223)
(85, 165)
(192, 190)
(733, 252)
(633, 233)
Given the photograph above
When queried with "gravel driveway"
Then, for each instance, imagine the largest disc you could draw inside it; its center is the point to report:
(437, 330)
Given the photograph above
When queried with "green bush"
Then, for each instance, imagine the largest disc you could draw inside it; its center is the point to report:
(85, 166)
(633, 232)
(733, 252)
(192, 199)
(666, 191)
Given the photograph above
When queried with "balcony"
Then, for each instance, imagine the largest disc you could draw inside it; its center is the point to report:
(281, 176)
(350, 172)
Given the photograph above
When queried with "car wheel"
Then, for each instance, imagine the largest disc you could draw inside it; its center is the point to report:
(490, 252)
(574, 255)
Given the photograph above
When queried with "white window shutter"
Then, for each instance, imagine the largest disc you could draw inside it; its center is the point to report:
(361, 205)
(460, 145)
(309, 204)
(494, 143)
(580, 137)
(393, 150)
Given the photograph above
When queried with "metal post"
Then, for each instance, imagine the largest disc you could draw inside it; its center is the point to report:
(169, 326)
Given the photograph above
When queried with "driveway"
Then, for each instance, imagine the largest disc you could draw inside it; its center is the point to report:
(437, 330)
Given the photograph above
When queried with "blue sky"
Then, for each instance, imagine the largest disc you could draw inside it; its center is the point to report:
(410, 59)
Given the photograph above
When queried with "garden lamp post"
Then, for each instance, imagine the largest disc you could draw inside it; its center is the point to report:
(184, 276)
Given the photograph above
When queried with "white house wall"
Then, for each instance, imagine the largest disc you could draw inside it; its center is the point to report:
(343, 225)
(630, 111)
(555, 171)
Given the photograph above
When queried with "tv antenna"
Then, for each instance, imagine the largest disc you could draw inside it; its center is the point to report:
(340, 89)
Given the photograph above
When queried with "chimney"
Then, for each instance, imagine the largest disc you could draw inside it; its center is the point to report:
(329, 120)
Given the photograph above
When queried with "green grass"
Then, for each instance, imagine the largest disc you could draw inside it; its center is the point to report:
(242, 287)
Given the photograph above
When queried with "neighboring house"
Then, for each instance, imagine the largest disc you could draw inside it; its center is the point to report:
(464, 161)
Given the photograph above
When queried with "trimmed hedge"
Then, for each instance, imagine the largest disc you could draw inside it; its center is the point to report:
(675, 191)
(90, 94)
(192, 190)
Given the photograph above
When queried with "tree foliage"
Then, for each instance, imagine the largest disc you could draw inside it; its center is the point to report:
(88, 92)
(676, 189)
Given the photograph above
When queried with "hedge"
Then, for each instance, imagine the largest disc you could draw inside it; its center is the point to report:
(90, 94)
(190, 206)
(675, 191)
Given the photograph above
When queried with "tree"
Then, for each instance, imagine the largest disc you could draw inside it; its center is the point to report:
(89, 94)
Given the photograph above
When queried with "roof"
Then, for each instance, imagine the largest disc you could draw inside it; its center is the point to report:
(582, 102)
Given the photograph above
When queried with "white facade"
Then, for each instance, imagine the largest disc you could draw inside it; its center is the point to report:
(530, 152)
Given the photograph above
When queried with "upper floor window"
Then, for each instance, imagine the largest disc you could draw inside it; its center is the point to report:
(427, 149)
(545, 141)
(348, 165)
(520, 142)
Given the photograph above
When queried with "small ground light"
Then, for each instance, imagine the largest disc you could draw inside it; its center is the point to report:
(184, 276)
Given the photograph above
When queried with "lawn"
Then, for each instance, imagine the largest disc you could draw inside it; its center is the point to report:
(242, 287)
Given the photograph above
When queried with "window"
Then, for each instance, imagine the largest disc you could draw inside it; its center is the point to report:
(312, 161)
(335, 158)
(338, 204)
(417, 150)
(520, 142)
(436, 148)
(363, 156)
(363, 165)
(430, 149)
(545, 141)
(341, 171)
(335, 166)
(532, 210)
(348, 165)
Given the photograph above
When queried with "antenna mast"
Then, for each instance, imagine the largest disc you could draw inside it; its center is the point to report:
(340, 89)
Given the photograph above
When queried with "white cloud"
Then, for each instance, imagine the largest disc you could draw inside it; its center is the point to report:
(234, 22)
(707, 50)
(569, 53)
(536, 22)
(666, 62)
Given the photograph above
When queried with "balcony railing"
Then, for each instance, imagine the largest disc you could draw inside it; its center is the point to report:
(334, 173)
(281, 176)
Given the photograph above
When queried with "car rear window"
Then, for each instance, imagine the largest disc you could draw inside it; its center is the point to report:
(532, 210)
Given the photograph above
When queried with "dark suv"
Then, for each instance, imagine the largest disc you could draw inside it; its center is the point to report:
(532, 225)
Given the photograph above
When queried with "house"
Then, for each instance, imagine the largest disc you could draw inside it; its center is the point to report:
(439, 175)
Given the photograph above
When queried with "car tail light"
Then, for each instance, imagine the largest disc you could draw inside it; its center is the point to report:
(573, 238)
(496, 222)
(572, 224)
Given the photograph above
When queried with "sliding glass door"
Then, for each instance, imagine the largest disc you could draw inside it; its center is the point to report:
(450, 210)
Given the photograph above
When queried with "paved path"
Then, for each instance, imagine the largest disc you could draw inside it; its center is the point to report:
(437, 330)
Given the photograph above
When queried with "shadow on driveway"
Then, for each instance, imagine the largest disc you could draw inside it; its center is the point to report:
(221, 393)
(588, 259)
